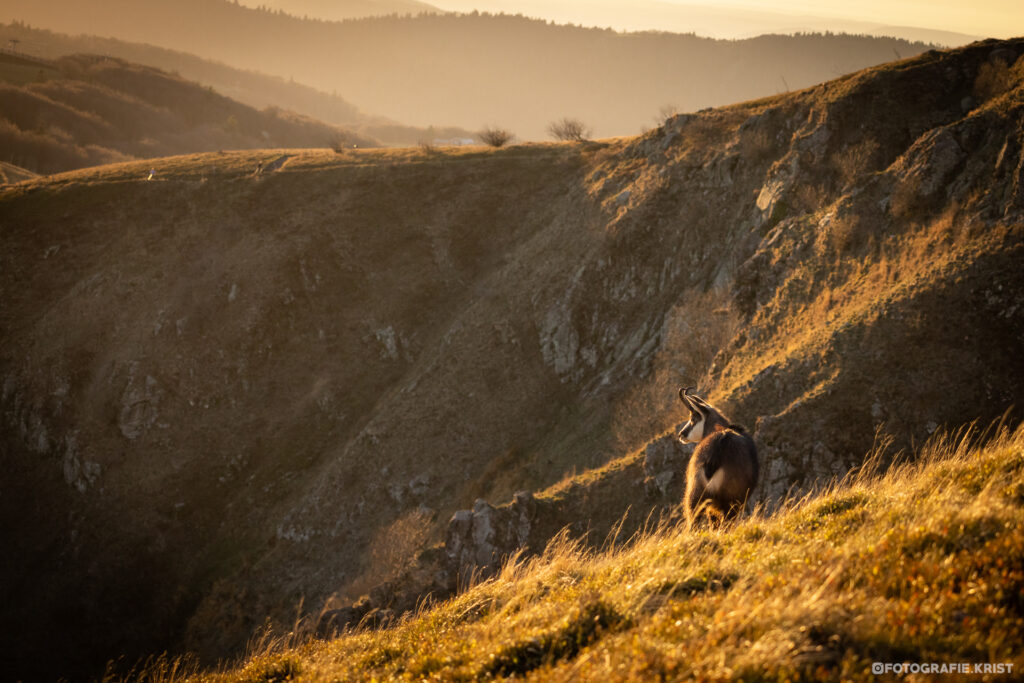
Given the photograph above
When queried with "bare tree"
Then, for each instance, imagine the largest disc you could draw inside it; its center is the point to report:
(495, 137)
(666, 112)
(341, 144)
(569, 129)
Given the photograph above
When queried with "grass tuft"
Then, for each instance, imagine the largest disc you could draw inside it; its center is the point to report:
(272, 669)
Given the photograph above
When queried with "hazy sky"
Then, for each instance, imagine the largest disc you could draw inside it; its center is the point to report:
(995, 18)
(987, 18)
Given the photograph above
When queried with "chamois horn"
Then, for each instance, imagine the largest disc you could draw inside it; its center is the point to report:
(688, 401)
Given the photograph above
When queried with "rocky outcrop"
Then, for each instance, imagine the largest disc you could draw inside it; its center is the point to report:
(479, 540)
(664, 461)
(374, 610)
(139, 404)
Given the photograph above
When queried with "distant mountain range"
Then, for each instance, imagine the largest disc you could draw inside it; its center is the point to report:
(477, 69)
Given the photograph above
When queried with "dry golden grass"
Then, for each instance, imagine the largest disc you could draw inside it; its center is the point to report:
(858, 271)
(395, 545)
(233, 164)
(924, 563)
(857, 160)
(392, 552)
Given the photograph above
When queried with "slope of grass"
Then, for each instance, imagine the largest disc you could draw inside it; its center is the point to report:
(924, 563)
(86, 110)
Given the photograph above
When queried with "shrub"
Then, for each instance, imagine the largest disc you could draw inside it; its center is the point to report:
(810, 198)
(394, 549)
(666, 113)
(340, 145)
(495, 137)
(992, 81)
(757, 144)
(567, 129)
(857, 160)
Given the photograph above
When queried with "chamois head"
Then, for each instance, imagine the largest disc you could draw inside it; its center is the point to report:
(704, 419)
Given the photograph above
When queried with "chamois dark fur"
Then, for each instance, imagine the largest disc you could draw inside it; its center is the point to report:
(723, 469)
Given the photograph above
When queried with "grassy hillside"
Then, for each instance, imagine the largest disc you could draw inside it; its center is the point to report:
(924, 564)
(86, 110)
(479, 69)
(226, 392)
(248, 87)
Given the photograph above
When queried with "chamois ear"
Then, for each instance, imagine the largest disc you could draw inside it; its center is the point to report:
(700, 403)
(687, 399)
(719, 427)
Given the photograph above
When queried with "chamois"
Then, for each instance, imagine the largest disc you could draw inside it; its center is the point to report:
(723, 468)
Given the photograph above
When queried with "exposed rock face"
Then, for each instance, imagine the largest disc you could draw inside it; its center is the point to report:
(665, 461)
(485, 536)
(77, 473)
(138, 405)
(926, 169)
(478, 541)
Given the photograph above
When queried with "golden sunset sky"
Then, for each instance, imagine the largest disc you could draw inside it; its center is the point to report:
(741, 18)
